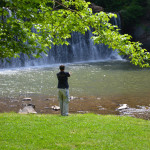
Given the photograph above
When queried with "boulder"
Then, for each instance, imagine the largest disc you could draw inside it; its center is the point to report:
(27, 99)
(56, 108)
(73, 98)
(123, 106)
(139, 112)
(28, 109)
(96, 8)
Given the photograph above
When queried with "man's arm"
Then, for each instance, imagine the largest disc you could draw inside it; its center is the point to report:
(69, 74)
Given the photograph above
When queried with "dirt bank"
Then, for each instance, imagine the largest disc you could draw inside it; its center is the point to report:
(98, 105)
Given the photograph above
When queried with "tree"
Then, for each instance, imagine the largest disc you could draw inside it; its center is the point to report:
(54, 21)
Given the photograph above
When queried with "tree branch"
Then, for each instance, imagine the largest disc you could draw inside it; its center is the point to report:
(67, 8)
(64, 6)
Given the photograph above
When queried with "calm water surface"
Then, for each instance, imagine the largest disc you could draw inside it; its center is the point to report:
(97, 79)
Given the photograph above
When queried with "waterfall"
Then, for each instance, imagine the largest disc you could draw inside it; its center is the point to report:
(81, 48)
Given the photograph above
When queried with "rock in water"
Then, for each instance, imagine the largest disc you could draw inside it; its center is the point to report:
(27, 99)
(27, 110)
(55, 107)
(123, 106)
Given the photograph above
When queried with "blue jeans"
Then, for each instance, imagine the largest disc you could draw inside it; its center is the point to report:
(63, 98)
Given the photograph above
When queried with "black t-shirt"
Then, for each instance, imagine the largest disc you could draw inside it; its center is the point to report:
(63, 79)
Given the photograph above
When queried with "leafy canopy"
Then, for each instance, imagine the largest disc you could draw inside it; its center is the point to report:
(53, 22)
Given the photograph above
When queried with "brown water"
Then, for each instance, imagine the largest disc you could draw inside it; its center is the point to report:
(94, 87)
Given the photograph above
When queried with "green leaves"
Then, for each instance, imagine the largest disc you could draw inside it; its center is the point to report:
(53, 23)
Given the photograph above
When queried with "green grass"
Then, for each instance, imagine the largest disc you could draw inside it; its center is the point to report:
(80, 132)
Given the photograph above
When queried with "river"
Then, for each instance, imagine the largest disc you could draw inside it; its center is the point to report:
(100, 83)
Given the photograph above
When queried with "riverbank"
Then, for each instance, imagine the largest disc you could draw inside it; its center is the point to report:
(81, 105)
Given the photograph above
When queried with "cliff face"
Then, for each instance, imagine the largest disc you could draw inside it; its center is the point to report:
(141, 31)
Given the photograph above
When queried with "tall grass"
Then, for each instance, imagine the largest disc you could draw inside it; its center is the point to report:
(80, 132)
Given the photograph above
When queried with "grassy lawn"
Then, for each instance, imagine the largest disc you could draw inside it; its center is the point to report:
(80, 132)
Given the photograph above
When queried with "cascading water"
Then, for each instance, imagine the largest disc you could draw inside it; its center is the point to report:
(81, 48)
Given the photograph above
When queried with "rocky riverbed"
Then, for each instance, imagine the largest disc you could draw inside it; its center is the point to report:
(98, 105)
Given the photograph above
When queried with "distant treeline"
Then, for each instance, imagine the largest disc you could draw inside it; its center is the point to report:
(117, 5)
(130, 10)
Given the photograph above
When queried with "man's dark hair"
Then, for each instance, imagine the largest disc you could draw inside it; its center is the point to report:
(62, 67)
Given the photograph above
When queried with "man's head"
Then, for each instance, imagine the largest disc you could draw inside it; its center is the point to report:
(62, 67)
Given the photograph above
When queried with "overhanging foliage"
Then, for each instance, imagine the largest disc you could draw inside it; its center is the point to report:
(54, 22)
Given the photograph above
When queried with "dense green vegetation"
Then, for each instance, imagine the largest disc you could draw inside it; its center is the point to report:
(130, 10)
(53, 22)
(86, 131)
(117, 5)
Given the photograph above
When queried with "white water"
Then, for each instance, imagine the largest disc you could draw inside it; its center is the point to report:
(81, 49)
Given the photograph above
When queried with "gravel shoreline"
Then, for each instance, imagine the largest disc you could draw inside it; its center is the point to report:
(98, 105)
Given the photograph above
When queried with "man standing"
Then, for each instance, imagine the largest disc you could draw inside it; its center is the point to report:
(63, 90)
